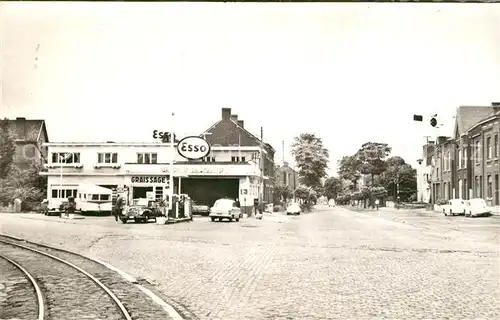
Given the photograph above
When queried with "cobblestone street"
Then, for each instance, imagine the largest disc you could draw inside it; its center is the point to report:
(329, 264)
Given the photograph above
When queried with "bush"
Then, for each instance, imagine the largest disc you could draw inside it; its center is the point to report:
(441, 202)
(343, 199)
(306, 207)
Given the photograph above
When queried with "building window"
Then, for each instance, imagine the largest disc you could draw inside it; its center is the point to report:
(488, 148)
(495, 147)
(237, 159)
(147, 158)
(477, 151)
(65, 157)
(107, 157)
(449, 161)
(490, 187)
(480, 186)
(64, 193)
(465, 189)
(460, 188)
(476, 193)
(464, 158)
(497, 201)
(208, 159)
(459, 159)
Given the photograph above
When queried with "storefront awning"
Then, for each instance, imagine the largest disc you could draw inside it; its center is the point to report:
(93, 189)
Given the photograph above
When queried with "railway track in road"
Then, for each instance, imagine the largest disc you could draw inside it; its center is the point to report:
(43, 283)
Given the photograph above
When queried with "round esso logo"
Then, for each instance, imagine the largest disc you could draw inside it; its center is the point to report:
(193, 148)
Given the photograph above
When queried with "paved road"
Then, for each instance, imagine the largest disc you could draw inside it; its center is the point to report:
(330, 264)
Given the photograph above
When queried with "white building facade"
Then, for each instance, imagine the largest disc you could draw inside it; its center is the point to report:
(142, 167)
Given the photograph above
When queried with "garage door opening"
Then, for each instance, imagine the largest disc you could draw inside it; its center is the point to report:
(207, 191)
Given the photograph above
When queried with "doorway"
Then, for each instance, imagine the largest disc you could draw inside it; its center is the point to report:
(140, 192)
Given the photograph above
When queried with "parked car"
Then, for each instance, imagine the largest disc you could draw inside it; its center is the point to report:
(454, 207)
(293, 208)
(141, 210)
(225, 209)
(199, 208)
(477, 207)
(331, 203)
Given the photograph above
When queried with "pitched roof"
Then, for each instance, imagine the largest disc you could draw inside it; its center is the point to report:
(28, 130)
(468, 116)
(227, 132)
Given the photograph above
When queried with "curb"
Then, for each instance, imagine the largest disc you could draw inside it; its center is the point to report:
(165, 306)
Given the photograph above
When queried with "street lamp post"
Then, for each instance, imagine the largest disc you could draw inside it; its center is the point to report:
(171, 169)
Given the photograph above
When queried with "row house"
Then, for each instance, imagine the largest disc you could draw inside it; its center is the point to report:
(466, 165)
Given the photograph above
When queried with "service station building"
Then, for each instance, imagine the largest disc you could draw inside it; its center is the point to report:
(237, 166)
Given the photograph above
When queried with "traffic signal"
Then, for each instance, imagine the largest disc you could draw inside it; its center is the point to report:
(434, 122)
(417, 117)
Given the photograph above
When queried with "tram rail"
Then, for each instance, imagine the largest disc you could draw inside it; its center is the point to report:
(69, 286)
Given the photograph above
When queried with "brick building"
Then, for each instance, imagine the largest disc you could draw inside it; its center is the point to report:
(466, 165)
(30, 135)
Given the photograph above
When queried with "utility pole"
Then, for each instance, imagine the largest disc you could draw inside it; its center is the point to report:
(261, 196)
(171, 169)
(283, 147)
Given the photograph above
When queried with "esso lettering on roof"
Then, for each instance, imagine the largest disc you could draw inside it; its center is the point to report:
(193, 148)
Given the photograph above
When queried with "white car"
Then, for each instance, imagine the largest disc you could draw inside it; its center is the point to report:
(331, 203)
(454, 207)
(225, 209)
(293, 208)
(477, 207)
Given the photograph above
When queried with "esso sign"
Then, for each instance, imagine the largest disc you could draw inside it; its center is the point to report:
(193, 148)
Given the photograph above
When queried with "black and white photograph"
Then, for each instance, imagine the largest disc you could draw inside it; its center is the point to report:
(249, 161)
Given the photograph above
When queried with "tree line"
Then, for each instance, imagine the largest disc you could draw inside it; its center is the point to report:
(15, 183)
(382, 177)
(371, 173)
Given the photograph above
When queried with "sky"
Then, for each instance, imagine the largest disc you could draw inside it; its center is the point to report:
(348, 72)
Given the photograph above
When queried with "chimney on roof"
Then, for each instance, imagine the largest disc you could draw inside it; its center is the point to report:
(496, 107)
(285, 164)
(241, 123)
(226, 113)
(20, 119)
(234, 117)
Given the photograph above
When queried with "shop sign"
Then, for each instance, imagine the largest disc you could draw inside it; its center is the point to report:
(149, 179)
(195, 170)
(193, 148)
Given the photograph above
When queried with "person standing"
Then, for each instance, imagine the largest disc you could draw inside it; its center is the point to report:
(118, 207)
(377, 202)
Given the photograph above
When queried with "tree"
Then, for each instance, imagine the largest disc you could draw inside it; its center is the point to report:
(311, 158)
(398, 172)
(282, 192)
(27, 185)
(7, 148)
(333, 187)
(372, 157)
(348, 169)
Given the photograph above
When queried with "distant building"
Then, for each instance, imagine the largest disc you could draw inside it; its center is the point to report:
(287, 176)
(424, 173)
(30, 135)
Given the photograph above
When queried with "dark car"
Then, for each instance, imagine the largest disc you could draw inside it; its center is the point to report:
(141, 210)
(202, 209)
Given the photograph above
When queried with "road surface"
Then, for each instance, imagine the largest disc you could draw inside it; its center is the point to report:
(330, 264)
